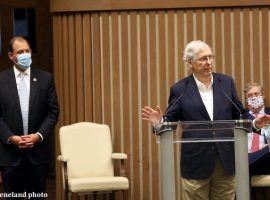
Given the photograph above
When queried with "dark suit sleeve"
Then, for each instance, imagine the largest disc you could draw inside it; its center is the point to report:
(53, 111)
(5, 132)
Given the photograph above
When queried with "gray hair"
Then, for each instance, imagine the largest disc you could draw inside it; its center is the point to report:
(193, 48)
(248, 87)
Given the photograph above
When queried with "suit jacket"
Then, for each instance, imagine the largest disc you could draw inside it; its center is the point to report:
(43, 115)
(259, 161)
(198, 159)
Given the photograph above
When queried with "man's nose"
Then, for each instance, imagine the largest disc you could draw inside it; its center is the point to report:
(209, 61)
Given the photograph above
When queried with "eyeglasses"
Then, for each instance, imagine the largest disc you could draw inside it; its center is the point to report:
(206, 58)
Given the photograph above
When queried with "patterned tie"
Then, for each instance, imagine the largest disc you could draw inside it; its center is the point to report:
(255, 145)
(24, 102)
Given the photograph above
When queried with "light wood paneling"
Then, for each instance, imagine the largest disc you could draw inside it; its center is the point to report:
(93, 5)
(108, 65)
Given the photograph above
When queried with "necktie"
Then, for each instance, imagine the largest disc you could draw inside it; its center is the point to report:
(255, 145)
(24, 102)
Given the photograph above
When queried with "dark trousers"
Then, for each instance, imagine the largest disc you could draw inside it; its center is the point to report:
(26, 179)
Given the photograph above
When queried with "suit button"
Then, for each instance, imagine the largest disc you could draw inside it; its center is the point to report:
(214, 132)
(213, 147)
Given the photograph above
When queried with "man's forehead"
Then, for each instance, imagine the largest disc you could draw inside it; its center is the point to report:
(254, 89)
(205, 51)
(20, 44)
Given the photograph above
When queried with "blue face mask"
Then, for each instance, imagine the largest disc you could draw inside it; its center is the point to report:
(24, 60)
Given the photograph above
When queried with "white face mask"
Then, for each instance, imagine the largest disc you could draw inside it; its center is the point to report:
(255, 102)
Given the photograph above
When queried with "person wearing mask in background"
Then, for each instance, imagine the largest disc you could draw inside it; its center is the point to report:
(259, 156)
(207, 169)
(28, 113)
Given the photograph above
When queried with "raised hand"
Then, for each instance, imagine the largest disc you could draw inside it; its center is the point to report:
(152, 115)
(262, 120)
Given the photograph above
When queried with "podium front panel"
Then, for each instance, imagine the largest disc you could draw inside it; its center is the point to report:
(201, 133)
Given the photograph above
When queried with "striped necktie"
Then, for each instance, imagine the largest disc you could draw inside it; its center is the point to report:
(24, 101)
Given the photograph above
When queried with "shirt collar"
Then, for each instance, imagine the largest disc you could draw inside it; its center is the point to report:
(18, 72)
(260, 112)
(201, 85)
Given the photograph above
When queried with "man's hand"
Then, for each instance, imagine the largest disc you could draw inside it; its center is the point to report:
(29, 140)
(25, 141)
(262, 120)
(151, 115)
(16, 140)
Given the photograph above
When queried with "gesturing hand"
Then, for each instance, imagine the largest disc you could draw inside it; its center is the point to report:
(152, 115)
(262, 120)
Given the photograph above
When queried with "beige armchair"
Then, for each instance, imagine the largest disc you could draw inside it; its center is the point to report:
(87, 160)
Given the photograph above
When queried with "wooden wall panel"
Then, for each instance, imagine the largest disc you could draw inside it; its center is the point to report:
(154, 101)
(108, 65)
(94, 5)
(265, 53)
(237, 56)
(87, 73)
(96, 70)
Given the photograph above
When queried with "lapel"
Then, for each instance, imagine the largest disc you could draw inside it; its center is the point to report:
(11, 81)
(194, 94)
(218, 96)
(34, 82)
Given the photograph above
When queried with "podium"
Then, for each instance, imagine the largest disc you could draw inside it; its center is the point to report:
(169, 133)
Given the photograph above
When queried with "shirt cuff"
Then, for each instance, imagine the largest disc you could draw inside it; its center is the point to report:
(157, 126)
(40, 135)
(8, 141)
(254, 126)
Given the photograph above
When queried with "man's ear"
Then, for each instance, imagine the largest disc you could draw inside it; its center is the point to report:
(10, 55)
(190, 64)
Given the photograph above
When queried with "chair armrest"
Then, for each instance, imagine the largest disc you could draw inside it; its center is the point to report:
(119, 156)
(62, 158)
(122, 157)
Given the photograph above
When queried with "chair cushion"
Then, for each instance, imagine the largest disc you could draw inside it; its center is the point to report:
(98, 184)
(260, 181)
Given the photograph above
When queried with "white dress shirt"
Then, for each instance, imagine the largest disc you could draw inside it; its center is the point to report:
(206, 95)
(26, 77)
(27, 73)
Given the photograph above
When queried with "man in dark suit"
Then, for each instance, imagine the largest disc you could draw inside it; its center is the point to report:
(207, 169)
(259, 155)
(28, 113)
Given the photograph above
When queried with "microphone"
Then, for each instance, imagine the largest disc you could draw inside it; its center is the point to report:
(176, 101)
(240, 114)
